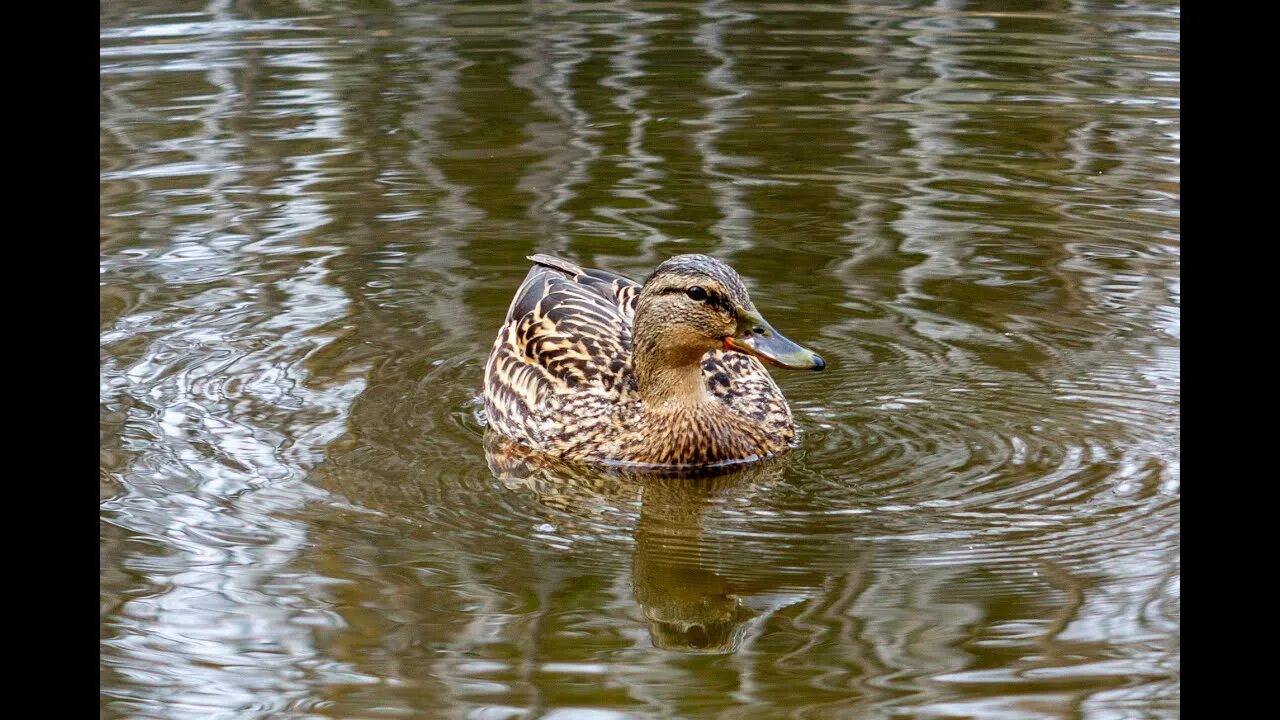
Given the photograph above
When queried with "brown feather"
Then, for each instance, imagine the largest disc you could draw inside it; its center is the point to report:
(561, 380)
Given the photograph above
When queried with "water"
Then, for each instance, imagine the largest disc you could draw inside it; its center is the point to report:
(313, 216)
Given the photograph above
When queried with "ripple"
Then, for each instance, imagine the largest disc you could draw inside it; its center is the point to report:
(311, 225)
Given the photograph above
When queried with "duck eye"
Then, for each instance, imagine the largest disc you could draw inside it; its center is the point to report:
(697, 293)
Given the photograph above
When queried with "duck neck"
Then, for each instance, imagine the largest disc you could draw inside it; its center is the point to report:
(672, 386)
(668, 375)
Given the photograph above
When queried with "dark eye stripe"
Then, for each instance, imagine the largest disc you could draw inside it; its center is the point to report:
(713, 299)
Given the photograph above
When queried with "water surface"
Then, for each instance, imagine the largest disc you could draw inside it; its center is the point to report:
(313, 216)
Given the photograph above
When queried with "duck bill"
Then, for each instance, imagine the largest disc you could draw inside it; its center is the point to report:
(757, 337)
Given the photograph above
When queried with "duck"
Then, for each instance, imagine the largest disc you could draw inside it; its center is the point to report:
(590, 366)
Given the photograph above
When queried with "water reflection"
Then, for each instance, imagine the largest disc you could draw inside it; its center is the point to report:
(689, 601)
(313, 215)
(688, 604)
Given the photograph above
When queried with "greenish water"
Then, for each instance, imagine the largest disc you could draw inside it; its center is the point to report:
(313, 216)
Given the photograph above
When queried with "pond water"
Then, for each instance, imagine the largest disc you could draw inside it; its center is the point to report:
(314, 215)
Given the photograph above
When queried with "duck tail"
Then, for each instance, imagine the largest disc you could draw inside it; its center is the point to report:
(557, 264)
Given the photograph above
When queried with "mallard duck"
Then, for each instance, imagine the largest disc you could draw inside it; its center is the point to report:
(590, 366)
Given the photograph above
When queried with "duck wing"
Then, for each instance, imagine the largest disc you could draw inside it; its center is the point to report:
(567, 335)
(617, 291)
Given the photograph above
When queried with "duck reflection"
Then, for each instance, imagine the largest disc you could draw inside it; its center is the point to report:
(690, 602)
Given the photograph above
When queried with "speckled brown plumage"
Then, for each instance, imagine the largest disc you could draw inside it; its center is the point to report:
(562, 377)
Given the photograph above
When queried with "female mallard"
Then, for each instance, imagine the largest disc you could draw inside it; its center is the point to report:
(591, 366)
